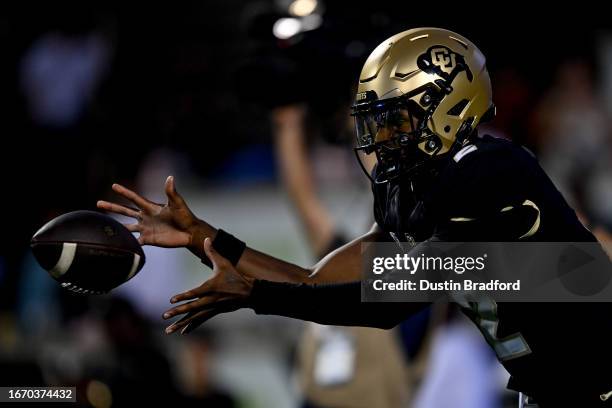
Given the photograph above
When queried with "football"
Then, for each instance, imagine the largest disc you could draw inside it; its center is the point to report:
(87, 252)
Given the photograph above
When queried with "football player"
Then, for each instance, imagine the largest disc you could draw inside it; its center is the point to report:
(422, 95)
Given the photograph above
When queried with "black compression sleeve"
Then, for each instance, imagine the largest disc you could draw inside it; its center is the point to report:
(335, 304)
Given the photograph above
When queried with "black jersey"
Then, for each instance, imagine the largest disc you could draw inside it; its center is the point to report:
(476, 184)
(491, 190)
(563, 344)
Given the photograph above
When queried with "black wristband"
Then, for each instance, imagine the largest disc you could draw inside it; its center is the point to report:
(228, 246)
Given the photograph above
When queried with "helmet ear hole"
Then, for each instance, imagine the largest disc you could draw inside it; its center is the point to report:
(458, 109)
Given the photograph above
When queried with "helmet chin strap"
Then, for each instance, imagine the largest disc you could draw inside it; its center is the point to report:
(464, 134)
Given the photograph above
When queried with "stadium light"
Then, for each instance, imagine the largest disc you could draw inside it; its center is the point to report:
(285, 28)
(302, 8)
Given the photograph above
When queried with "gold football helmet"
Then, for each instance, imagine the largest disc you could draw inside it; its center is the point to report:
(421, 95)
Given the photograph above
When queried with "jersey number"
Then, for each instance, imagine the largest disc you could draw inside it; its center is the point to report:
(483, 311)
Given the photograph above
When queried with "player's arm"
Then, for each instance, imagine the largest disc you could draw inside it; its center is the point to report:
(173, 225)
(336, 304)
(340, 265)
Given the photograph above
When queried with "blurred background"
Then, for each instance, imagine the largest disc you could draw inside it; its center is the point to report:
(246, 103)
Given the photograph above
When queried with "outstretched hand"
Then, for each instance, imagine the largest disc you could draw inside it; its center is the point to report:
(227, 291)
(167, 225)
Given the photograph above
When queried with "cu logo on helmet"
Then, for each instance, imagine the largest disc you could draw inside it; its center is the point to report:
(443, 59)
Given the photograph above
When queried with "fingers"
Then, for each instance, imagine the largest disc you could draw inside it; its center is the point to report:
(205, 303)
(132, 227)
(170, 188)
(194, 319)
(187, 307)
(133, 197)
(210, 251)
(200, 318)
(190, 294)
(180, 323)
(185, 321)
(173, 196)
(217, 260)
(118, 209)
(200, 291)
